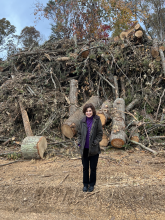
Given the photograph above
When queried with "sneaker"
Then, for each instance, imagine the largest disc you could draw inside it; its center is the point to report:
(91, 188)
(85, 189)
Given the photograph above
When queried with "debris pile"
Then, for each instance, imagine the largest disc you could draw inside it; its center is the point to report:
(129, 67)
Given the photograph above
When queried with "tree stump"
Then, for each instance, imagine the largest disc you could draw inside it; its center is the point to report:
(73, 96)
(105, 112)
(33, 147)
(118, 136)
(70, 126)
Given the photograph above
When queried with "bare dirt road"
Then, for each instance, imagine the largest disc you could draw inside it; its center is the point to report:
(130, 185)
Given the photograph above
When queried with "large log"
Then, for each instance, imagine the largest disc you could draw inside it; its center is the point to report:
(105, 112)
(73, 96)
(70, 126)
(33, 147)
(118, 136)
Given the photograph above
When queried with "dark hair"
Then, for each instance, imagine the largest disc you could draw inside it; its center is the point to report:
(89, 105)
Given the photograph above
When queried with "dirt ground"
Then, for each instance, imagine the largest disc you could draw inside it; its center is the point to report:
(130, 185)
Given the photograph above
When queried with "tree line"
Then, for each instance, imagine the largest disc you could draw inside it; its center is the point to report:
(87, 19)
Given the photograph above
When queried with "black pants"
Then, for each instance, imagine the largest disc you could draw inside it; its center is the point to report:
(92, 160)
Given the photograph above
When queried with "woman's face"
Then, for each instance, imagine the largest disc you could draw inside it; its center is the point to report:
(89, 112)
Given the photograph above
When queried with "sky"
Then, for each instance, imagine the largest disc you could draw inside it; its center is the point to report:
(20, 13)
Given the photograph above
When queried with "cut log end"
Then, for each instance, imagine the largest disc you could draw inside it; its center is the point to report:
(68, 131)
(41, 146)
(135, 138)
(102, 118)
(105, 140)
(117, 143)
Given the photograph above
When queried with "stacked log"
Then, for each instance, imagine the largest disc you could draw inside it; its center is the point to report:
(118, 136)
(105, 112)
(73, 96)
(135, 31)
(70, 126)
(33, 147)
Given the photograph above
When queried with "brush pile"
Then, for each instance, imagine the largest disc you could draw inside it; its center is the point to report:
(129, 68)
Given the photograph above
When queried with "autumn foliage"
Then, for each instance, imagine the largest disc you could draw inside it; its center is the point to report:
(86, 18)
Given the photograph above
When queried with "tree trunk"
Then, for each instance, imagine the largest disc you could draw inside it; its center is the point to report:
(118, 136)
(154, 49)
(105, 112)
(73, 96)
(105, 139)
(70, 126)
(33, 147)
(26, 122)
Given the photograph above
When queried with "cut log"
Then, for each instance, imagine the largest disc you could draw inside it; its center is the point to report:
(33, 147)
(105, 112)
(26, 122)
(134, 135)
(139, 34)
(70, 126)
(118, 136)
(105, 139)
(123, 35)
(154, 49)
(163, 60)
(73, 96)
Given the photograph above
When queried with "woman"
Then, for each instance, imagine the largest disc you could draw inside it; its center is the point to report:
(89, 135)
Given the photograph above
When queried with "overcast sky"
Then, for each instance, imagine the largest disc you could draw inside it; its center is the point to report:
(20, 13)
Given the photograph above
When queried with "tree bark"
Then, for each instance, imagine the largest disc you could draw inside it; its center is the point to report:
(70, 126)
(105, 112)
(26, 122)
(118, 136)
(33, 147)
(163, 60)
(73, 96)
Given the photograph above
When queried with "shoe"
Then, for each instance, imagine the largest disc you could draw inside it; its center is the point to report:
(85, 189)
(91, 188)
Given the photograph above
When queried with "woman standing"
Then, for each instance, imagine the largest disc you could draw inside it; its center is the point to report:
(89, 135)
